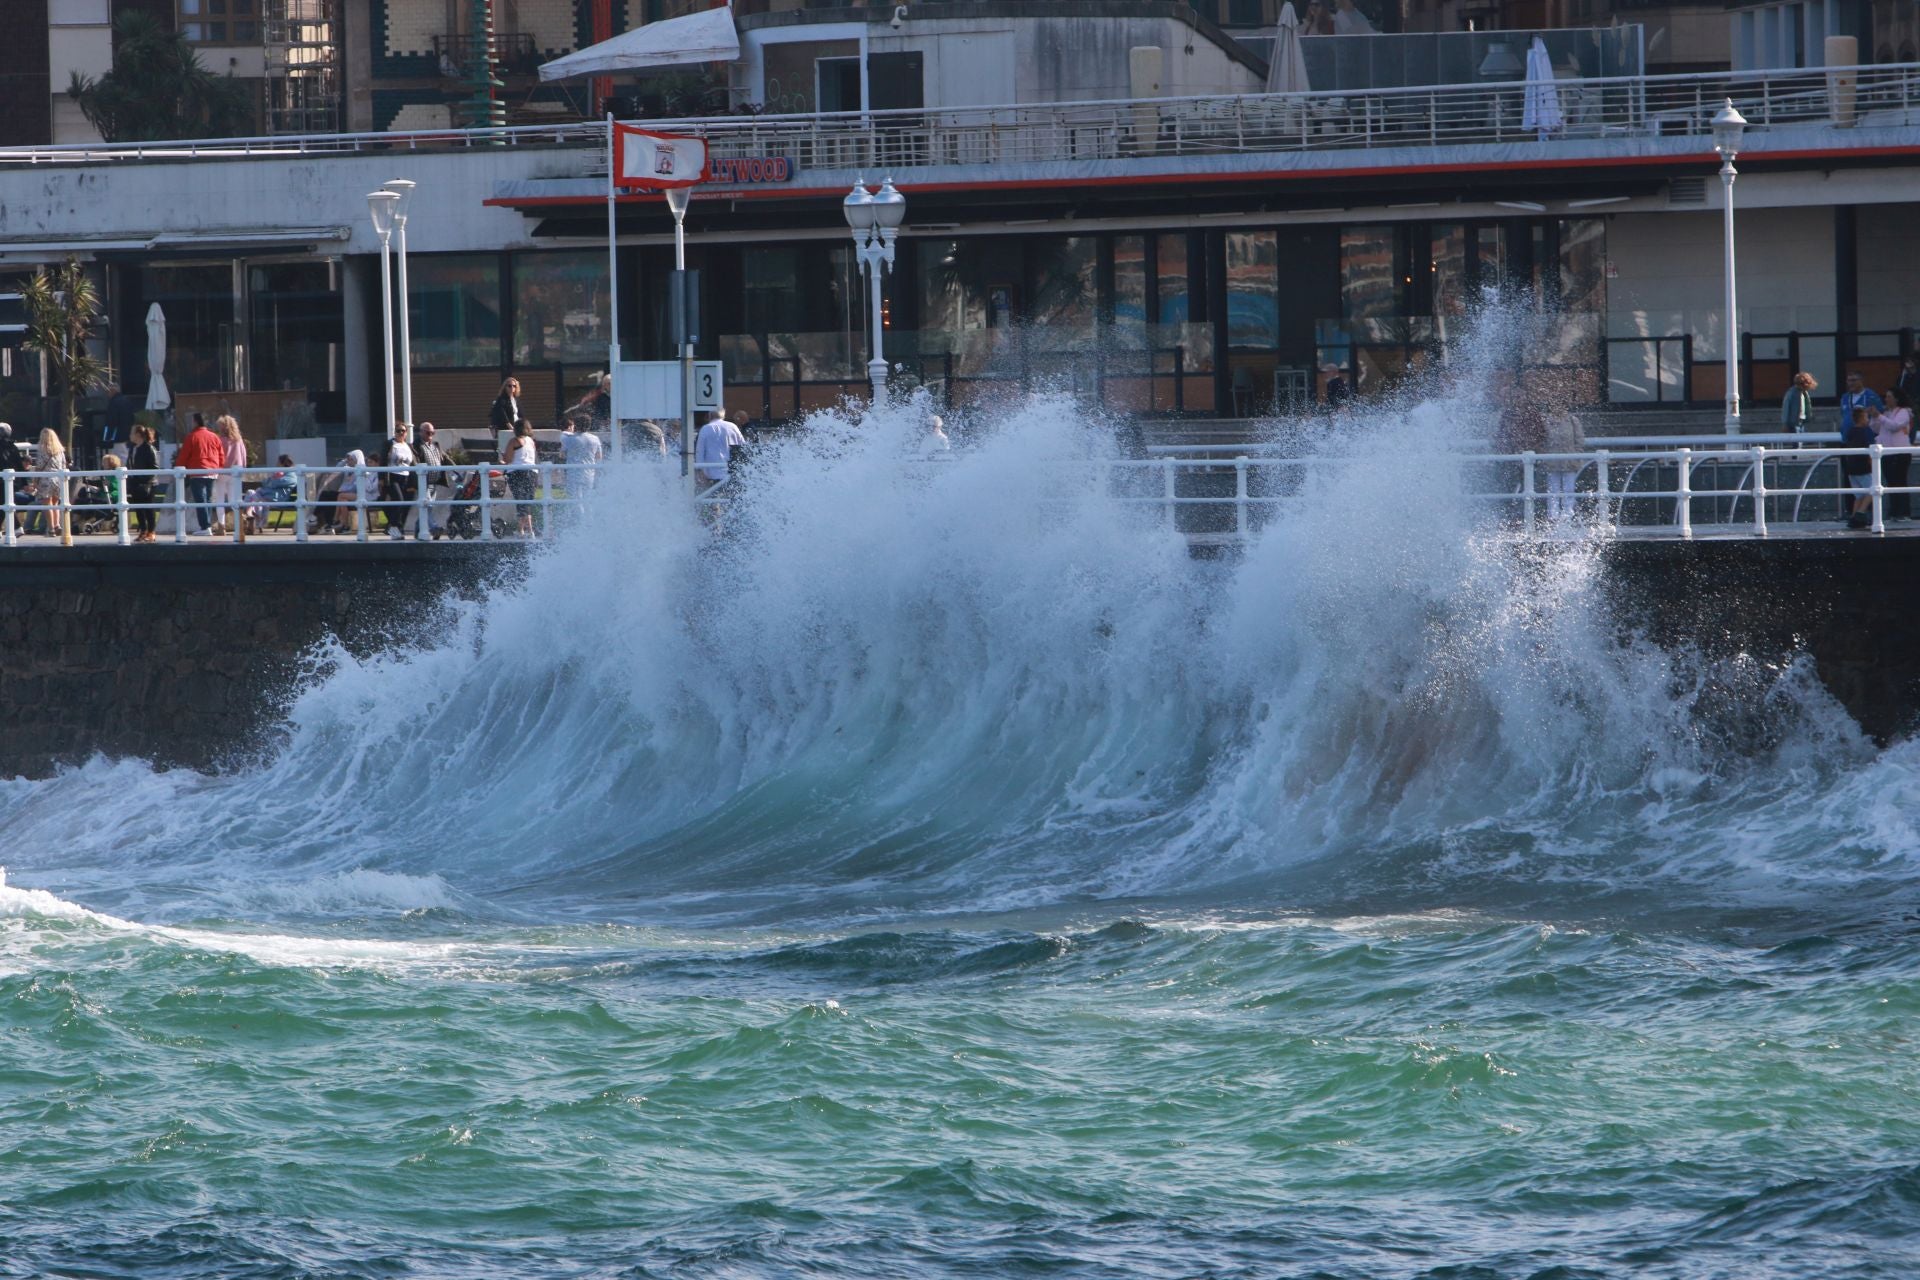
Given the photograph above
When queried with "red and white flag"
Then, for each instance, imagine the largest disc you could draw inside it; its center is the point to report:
(655, 161)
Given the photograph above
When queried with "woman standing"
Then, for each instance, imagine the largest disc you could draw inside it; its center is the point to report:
(226, 488)
(1796, 411)
(1893, 429)
(519, 458)
(51, 457)
(144, 457)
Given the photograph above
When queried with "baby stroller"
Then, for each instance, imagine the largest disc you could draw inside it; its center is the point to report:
(92, 494)
(463, 518)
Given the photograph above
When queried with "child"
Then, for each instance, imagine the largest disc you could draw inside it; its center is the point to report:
(1858, 468)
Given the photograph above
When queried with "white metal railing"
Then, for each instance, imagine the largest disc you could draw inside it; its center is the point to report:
(481, 501)
(1841, 98)
(1652, 493)
(1755, 489)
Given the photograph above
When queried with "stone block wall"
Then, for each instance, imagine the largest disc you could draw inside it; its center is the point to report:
(187, 655)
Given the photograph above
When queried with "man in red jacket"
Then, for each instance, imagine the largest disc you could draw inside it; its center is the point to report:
(199, 453)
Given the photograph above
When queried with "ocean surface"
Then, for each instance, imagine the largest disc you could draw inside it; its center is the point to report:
(938, 873)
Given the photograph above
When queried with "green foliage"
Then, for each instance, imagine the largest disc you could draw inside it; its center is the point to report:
(61, 305)
(158, 90)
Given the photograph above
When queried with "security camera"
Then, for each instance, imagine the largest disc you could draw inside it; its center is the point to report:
(899, 17)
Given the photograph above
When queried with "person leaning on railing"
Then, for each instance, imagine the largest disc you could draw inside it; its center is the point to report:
(1796, 410)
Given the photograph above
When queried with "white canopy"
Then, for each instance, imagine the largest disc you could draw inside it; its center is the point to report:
(1542, 111)
(1287, 65)
(706, 36)
(158, 397)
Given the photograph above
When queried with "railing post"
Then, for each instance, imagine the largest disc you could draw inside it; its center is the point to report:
(65, 509)
(1760, 490)
(359, 504)
(546, 499)
(1683, 511)
(1240, 496)
(1879, 501)
(123, 534)
(6, 488)
(486, 502)
(1173, 511)
(422, 530)
(299, 502)
(1602, 495)
(1526, 485)
(179, 504)
(238, 504)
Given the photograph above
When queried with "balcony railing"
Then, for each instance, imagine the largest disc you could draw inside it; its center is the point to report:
(1836, 103)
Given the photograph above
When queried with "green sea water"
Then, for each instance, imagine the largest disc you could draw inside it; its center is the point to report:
(937, 873)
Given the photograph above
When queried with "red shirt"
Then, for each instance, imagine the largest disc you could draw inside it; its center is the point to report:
(201, 451)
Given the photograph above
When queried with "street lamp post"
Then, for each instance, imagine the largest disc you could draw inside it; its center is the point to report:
(1728, 125)
(677, 200)
(875, 218)
(403, 187)
(380, 204)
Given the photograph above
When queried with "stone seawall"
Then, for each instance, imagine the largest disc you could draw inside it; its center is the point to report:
(186, 655)
(1847, 601)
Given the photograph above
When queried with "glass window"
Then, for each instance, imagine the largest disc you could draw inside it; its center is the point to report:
(296, 326)
(1129, 290)
(1583, 265)
(454, 310)
(1062, 284)
(1369, 288)
(1170, 259)
(1449, 270)
(198, 304)
(560, 308)
(1253, 306)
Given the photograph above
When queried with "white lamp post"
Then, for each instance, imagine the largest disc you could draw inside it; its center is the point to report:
(403, 187)
(1728, 125)
(380, 204)
(875, 218)
(677, 200)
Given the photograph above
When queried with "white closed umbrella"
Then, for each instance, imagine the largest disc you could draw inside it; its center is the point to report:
(158, 397)
(1543, 113)
(1287, 65)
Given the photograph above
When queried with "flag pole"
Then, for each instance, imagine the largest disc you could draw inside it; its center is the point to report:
(613, 297)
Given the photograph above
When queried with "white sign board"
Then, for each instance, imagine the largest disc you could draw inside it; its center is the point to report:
(651, 388)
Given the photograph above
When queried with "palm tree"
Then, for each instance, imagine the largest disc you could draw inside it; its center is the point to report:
(158, 90)
(61, 305)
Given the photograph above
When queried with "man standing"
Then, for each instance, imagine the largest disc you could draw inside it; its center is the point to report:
(581, 451)
(1858, 396)
(439, 489)
(201, 454)
(713, 449)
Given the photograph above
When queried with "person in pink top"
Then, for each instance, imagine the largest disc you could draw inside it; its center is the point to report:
(1893, 429)
(226, 489)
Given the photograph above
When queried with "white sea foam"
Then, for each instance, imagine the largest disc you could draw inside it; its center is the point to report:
(980, 683)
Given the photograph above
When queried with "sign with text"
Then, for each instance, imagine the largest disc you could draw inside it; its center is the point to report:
(644, 161)
(651, 388)
(751, 169)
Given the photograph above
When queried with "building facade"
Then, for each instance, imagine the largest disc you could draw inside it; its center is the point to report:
(1208, 253)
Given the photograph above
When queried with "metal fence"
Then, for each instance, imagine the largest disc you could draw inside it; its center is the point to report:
(1728, 488)
(480, 502)
(1841, 98)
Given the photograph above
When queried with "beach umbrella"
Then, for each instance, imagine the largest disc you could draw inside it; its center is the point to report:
(158, 397)
(1543, 114)
(1287, 65)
